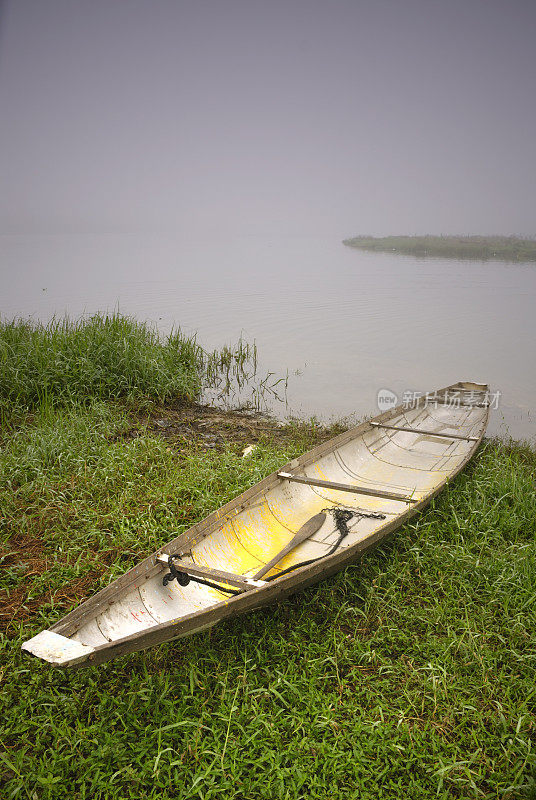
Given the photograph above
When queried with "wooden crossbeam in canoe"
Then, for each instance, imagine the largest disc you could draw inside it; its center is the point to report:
(407, 429)
(239, 581)
(346, 487)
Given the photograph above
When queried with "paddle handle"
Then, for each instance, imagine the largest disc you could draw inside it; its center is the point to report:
(311, 526)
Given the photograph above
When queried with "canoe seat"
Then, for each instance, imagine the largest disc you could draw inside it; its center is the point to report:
(346, 487)
(229, 578)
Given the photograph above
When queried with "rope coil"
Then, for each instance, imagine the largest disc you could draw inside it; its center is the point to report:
(342, 517)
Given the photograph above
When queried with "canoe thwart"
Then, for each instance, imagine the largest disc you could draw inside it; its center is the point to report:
(346, 487)
(407, 429)
(196, 571)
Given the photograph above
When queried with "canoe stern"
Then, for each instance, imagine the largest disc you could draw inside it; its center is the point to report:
(58, 650)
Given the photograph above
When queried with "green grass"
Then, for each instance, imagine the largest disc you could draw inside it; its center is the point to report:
(109, 356)
(475, 248)
(409, 675)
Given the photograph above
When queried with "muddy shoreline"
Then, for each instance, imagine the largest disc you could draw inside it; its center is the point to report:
(184, 423)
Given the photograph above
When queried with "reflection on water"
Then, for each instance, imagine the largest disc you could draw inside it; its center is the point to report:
(347, 321)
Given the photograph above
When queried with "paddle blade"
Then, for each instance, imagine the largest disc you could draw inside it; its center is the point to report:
(311, 526)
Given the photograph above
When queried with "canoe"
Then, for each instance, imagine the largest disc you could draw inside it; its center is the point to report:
(342, 498)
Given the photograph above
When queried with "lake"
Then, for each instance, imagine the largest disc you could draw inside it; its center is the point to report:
(344, 323)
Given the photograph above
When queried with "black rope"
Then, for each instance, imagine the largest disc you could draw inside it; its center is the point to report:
(342, 517)
(183, 579)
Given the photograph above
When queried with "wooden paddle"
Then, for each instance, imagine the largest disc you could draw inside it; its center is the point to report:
(310, 527)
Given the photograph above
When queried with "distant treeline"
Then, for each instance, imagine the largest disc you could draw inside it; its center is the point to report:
(497, 248)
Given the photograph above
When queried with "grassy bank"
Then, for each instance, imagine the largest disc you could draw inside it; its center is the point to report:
(476, 248)
(410, 675)
(109, 357)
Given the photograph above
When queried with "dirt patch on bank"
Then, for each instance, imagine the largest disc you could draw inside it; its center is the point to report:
(182, 423)
(30, 556)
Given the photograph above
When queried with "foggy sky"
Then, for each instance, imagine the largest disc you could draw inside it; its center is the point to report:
(295, 117)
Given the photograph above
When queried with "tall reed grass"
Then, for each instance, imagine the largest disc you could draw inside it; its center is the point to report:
(109, 356)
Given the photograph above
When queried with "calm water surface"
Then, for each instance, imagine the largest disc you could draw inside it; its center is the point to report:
(348, 322)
